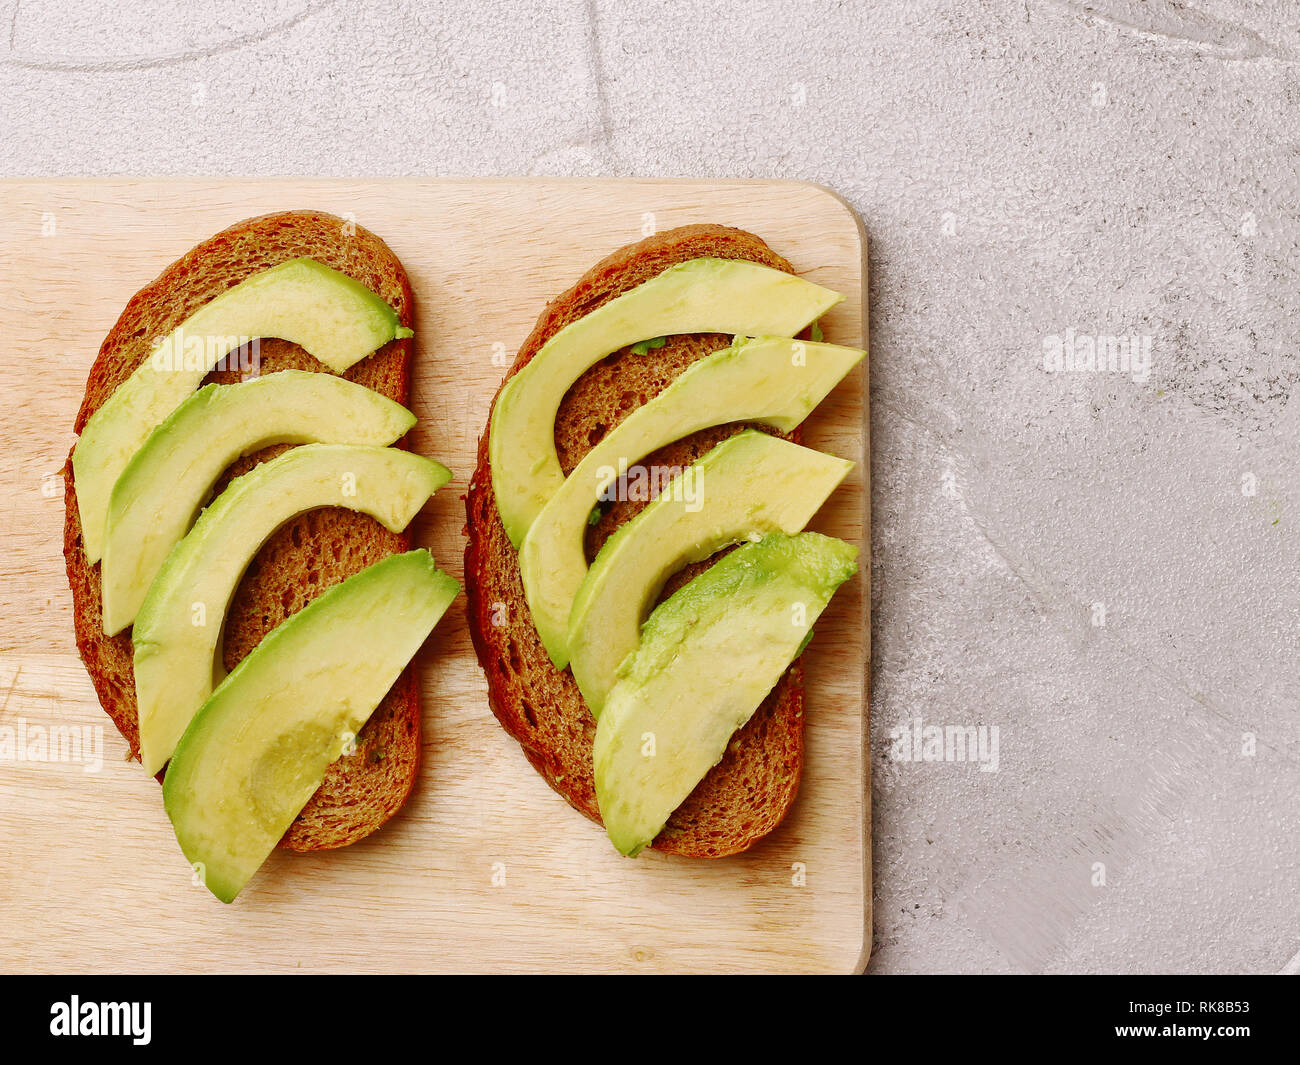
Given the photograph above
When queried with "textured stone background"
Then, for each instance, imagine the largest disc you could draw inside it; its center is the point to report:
(1023, 168)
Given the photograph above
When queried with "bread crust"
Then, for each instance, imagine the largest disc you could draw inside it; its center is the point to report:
(746, 795)
(303, 558)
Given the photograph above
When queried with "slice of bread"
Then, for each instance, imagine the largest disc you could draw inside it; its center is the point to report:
(303, 558)
(747, 794)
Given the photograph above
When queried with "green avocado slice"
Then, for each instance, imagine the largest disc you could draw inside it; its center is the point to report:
(178, 630)
(160, 492)
(698, 296)
(258, 748)
(334, 317)
(748, 485)
(709, 655)
(773, 380)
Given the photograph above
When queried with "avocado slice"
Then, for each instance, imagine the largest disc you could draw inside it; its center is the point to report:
(160, 492)
(697, 296)
(773, 380)
(748, 485)
(335, 318)
(259, 747)
(709, 655)
(178, 630)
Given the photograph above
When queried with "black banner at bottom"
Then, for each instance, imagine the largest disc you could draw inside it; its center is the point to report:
(338, 1013)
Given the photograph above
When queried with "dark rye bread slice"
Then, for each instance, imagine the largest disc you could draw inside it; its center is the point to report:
(303, 558)
(748, 793)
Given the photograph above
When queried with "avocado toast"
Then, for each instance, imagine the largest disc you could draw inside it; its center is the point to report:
(311, 552)
(536, 699)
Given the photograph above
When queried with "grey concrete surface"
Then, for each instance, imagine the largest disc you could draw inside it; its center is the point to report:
(1103, 565)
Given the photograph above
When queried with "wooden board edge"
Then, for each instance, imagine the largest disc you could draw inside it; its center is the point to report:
(859, 963)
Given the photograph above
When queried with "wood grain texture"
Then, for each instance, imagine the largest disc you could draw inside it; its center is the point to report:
(486, 868)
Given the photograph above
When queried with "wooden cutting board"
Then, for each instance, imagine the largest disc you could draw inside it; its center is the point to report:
(485, 868)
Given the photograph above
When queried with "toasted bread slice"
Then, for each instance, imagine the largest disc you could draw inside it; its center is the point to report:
(747, 794)
(302, 559)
